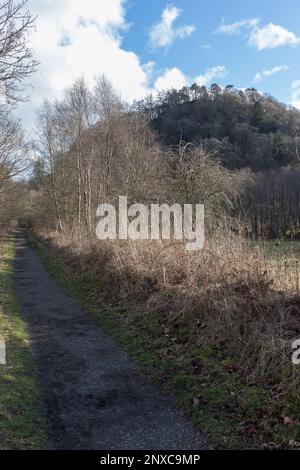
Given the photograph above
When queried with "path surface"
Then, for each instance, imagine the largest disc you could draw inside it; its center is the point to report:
(93, 396)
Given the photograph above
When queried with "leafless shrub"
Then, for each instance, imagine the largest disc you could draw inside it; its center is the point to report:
(225, 292)
(92, 151)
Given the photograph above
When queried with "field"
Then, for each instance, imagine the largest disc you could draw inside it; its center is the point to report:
(279, 250)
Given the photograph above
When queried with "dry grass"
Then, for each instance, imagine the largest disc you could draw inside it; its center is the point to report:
(242, 303)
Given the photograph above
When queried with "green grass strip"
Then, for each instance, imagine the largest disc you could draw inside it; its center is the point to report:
(21, 426)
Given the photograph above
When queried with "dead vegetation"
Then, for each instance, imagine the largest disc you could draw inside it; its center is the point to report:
(228, 308)
(228, 291)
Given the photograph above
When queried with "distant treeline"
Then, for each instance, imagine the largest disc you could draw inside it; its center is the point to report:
(243, 129)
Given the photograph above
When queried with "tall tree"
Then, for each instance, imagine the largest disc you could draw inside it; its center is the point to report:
(17, 62)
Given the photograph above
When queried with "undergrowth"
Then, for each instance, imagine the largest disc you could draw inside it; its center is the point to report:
(215, 331)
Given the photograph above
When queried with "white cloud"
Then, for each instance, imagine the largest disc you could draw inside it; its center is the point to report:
(267, 73)
(175, 78)
(164, 33)
(74, 38)
(207, 47)
(295, 98)
(271, 36)
(219, 71)
(237, 26)
(172, 78)
(261, 37)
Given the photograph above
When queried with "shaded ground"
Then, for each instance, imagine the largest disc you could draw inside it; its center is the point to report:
(93, 396)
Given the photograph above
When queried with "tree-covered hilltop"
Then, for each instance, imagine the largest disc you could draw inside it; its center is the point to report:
(243, 128)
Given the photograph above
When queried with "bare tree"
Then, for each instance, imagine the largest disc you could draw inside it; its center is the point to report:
(65, 146)
(199, 178)
(107, 101)
(108, 106)
(49, 148)
(12, 149)
(16, 65)
(91, 151)
(16, 58)
(79, 120)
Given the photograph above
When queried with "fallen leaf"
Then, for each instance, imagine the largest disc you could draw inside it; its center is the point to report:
(196, 401)
(287, 420)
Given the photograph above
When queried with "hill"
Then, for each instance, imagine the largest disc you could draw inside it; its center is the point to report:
(243, 128)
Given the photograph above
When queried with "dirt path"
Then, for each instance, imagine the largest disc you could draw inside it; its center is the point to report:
(93, 396)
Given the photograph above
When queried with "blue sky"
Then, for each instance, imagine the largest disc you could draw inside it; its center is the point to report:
(241, 60)
(143, 46)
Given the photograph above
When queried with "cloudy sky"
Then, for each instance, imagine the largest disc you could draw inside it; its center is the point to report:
(143, 45)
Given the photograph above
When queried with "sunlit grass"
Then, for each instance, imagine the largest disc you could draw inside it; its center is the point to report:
(21, 426)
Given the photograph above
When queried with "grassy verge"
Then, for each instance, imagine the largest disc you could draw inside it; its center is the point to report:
(279, 249)
(209, 387)
(21, 426)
